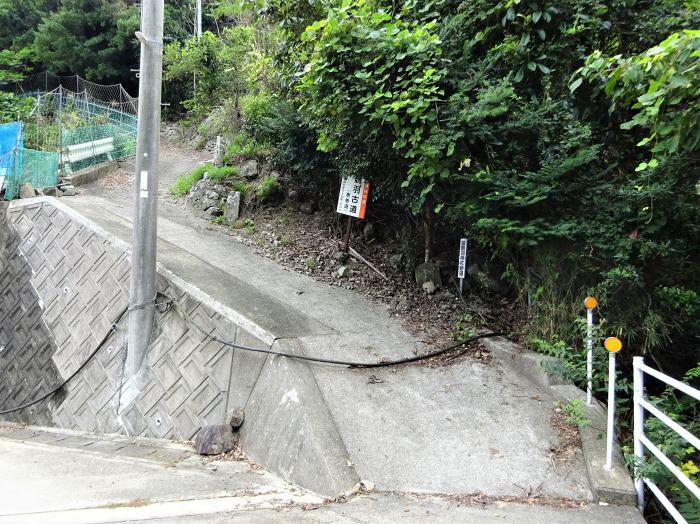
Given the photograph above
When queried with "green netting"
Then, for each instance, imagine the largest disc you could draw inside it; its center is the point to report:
(85, 121)
(39, 168)
(124, 142)
(74, 125)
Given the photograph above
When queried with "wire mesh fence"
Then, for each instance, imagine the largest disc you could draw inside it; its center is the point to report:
(74, 125)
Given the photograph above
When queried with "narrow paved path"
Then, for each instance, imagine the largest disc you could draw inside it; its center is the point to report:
(68, 477)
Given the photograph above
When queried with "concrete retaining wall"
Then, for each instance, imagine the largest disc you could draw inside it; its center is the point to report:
(65, 282)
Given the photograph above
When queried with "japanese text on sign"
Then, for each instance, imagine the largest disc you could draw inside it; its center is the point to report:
(352, 199)
(462, 264)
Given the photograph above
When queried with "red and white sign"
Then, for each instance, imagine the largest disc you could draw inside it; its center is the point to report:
(352, 200)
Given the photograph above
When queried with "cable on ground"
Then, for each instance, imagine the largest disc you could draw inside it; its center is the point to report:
(188, 320)
(346, 363)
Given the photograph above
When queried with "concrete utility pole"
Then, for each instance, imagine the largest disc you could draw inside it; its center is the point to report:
(143, 256)
(199, 19)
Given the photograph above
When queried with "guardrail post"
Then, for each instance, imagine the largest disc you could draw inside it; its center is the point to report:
(638, 381)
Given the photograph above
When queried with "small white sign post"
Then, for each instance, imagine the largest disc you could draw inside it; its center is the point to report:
(462, 262)
(352, 201)
(613, 345)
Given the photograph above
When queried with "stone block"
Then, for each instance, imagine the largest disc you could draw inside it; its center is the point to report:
(428, 272)
(215, 439)
(233, 207)
(249, 170)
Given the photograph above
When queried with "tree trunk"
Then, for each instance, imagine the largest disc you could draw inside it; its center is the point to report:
(429, 226)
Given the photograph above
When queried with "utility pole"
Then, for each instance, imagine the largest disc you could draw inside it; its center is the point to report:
(199, 19)
(143, 254)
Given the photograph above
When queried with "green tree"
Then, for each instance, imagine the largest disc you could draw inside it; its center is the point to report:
(92, 38)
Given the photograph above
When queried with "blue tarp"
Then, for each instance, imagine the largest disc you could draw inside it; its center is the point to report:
(11, 143)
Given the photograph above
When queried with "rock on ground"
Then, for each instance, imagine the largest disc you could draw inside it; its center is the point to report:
(214, 440)
(428, 272)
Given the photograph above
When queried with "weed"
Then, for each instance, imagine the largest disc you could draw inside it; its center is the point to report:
(249, 226)
(464, 327)
(310, 263)
(185, 182)
(269, 188)
(243, 145)
(574, 413)
(285, 241)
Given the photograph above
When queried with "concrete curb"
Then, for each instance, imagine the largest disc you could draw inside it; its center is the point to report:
(609, 487)
(85, 176)
(540, 369)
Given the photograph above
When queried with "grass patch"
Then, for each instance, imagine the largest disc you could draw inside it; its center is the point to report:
(243, 145)
(241, 187)
(183, 184)
(222, 173)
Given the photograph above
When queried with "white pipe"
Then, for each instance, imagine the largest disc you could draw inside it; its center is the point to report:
(667, 503)
(611, 411)
(589, 358)
(685, 388)
(638, 381)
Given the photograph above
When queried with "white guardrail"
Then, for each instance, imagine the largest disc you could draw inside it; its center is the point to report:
(641, 441)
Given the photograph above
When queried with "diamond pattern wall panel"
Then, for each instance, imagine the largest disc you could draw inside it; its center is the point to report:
(26, 347)
(79, 283)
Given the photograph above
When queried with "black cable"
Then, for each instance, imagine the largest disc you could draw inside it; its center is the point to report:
(82, 366)
(188, 320)
(406, 360)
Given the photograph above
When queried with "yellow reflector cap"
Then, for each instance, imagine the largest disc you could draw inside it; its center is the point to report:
(613, 344)
(590, 303)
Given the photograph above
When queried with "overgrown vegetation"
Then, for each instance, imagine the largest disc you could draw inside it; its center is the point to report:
(561, 137)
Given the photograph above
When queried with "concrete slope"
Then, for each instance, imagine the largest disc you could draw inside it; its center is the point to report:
(468, 427)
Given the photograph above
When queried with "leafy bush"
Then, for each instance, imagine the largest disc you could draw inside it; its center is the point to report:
(13, 107)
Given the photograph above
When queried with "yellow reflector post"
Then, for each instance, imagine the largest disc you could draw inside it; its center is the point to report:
(613, 344)
(590, 303)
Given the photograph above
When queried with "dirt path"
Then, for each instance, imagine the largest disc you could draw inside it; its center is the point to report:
(175, 160)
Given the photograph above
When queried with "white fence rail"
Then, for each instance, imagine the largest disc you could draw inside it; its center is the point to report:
(641, 441)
